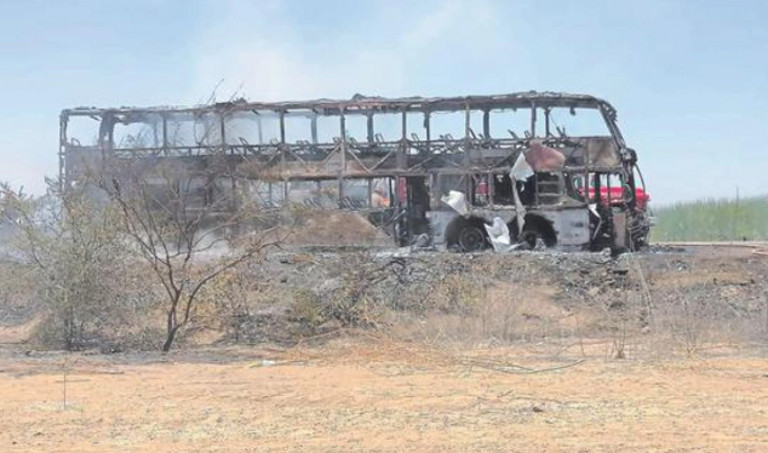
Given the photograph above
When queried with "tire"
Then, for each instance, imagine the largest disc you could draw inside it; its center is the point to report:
(535, 228)
(471, 238)
(532, 236)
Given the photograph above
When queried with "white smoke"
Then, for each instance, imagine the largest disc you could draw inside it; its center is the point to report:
(257, 50)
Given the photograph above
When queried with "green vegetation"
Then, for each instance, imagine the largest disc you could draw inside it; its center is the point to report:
(713, 220)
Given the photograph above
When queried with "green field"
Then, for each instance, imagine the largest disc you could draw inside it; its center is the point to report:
(712, 220)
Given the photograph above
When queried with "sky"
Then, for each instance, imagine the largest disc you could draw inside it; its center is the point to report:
(689, 78)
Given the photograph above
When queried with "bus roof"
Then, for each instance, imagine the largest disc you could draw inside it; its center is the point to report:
(373, 104)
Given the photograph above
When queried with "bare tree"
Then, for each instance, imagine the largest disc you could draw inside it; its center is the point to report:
(190, 223)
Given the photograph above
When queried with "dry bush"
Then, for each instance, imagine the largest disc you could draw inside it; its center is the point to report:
(487, 300)
(246, 305)
(17, 302)
(456, 293)
(690, 306)
(77, 267)
(307, 311)
(638, 310)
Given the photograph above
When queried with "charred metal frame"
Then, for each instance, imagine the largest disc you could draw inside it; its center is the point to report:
(374, 157)
(346, 158)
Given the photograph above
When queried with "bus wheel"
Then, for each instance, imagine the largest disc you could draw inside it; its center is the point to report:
(529, 238)
(471, 238)
(536, 229)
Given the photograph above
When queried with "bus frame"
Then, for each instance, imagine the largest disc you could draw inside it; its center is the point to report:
(595, 199)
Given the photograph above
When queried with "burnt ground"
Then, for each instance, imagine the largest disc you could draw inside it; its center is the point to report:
(399, 351)
(299, 295)
(489, 298)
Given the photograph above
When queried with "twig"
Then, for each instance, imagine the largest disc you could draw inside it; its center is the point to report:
(488, 362)
(529, 371)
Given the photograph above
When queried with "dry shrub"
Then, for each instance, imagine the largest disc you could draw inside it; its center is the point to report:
(700, 304)
(249, 305)
(17, 302)
(224, 305)
(491, 314)
(73, 261)
(352, 305)
(119, 315)
(457, 293)
(488, 300)
(306, 311)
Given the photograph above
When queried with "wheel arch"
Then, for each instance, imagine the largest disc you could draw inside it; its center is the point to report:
(538, 223)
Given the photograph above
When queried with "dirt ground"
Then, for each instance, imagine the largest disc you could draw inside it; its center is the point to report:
(355, 395)
(527, 352)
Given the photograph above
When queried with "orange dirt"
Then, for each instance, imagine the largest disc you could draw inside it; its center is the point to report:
(383, 397)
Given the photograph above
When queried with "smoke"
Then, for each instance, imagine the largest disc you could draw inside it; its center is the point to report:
(259, 50)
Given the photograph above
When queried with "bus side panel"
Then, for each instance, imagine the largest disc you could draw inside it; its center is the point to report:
(571, 226)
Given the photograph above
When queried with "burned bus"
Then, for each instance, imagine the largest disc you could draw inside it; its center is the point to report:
(463, 173)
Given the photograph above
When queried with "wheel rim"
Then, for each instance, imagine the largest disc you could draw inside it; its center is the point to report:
(471, 239)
